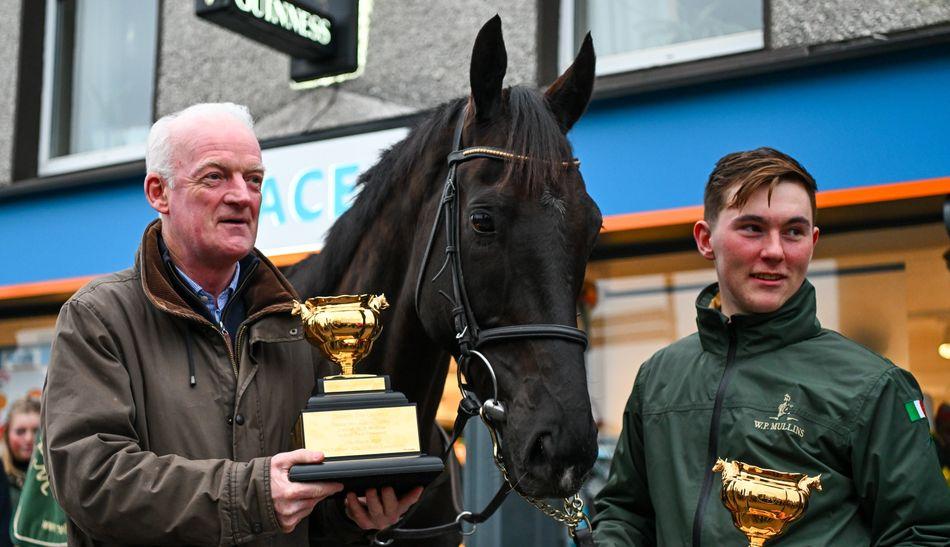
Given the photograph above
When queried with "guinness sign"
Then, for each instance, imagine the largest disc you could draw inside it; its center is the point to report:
(324, 38)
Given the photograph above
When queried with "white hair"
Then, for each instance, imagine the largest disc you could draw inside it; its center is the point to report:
(158, 155)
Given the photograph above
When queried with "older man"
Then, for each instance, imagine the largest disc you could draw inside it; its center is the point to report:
(764, 384)
(173, 386)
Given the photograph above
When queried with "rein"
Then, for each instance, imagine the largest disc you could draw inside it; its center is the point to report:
(470, 338)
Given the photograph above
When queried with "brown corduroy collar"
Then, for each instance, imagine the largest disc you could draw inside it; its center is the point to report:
(268, 291)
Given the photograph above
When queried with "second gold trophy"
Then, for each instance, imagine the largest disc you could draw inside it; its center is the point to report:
(368, 433)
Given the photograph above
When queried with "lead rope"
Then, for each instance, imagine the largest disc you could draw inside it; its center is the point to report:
(570, 515)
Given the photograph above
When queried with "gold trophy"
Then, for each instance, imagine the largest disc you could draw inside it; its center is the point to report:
(763, 502)
(368, 433)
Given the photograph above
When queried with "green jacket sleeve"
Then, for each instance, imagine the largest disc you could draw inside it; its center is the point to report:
(624, 510)
(108, 485)
(896, 473)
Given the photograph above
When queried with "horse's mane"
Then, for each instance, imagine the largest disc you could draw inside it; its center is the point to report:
(532, 131)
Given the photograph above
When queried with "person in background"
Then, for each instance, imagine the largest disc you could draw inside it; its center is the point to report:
(19, 435)
(37, 519)
(762, 382)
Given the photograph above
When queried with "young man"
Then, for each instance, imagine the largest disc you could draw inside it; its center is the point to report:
(173, 386)
(764, 384)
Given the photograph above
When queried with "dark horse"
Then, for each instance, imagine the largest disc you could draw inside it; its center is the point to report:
(527, 227)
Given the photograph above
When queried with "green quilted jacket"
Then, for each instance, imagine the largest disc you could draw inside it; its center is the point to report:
(776, 391)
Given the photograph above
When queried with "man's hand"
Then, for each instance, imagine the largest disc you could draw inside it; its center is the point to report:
(295, 500)
(378, 510)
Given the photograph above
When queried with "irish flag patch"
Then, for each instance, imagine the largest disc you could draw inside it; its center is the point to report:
(915, 410)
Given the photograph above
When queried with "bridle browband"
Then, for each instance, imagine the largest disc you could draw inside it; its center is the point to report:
(470, 338)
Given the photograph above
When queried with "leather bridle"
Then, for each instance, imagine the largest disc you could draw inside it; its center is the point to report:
(470, 339)
(469, 336)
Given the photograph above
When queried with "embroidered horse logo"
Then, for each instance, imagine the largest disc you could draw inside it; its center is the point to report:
(785, 409)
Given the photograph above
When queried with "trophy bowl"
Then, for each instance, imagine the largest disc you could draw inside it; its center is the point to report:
(763, 502)
(343, 327)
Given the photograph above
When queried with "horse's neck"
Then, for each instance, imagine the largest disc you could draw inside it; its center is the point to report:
(415, 364)
(386, 261)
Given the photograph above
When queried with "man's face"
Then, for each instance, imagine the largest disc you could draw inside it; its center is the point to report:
(762, 250)
(212, 208)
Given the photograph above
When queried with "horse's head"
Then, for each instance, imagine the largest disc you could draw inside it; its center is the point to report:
(526, 227)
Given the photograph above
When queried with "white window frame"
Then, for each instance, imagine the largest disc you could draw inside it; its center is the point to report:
(693, 50)
(47, 165)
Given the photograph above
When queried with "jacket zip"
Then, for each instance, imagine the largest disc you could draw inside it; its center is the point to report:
(227, 344)
(714, 435)
(237, 349)
(224, 313)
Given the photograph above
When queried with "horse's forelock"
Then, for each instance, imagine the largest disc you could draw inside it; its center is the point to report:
(533, 132)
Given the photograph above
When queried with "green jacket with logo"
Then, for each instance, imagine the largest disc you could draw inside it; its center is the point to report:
(776, 391)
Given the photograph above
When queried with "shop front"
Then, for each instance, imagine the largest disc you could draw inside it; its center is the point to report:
(870, 130)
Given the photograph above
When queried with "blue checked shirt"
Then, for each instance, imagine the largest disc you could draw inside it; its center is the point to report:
(215, 306)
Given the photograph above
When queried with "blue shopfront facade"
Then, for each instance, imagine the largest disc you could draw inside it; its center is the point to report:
(865, 122)
(858, 125)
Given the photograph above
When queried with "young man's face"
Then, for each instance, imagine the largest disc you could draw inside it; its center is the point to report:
(762, 250)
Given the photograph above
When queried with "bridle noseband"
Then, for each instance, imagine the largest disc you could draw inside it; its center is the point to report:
(470, 338)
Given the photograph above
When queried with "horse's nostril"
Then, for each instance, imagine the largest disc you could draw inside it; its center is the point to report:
(542, 449)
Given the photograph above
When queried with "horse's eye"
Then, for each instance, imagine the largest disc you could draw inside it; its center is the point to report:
(482, 222)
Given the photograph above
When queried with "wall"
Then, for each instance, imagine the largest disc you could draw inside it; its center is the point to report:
(9, 63)
(418, 57)
(797, 23)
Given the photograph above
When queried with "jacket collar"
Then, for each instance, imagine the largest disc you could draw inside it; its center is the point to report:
(268, 291)
(760, 332)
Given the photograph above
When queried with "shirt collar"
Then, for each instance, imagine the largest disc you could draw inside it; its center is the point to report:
(215, 306)
(198, 289)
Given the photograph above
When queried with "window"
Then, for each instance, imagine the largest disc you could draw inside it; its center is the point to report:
(636, 34)
(98, 81)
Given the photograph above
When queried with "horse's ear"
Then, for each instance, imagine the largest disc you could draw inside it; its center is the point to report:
(489, 63)
(568, 95)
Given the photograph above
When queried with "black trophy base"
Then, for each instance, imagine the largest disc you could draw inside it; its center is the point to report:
(369, 434)
(402, 473)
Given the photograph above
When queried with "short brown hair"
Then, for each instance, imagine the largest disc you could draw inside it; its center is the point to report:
(750, 171)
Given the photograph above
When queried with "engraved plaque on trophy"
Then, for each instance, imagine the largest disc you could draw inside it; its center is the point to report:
(763, 502)
(367, 432)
